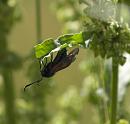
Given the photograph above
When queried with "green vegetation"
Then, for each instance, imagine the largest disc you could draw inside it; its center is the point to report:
(101, 28)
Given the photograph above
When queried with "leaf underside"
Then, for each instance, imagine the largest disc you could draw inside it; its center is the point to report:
(49, 46)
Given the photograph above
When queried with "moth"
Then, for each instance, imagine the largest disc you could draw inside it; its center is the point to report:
(61, 61)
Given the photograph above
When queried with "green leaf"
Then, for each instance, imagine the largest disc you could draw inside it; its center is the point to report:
(72, 39)
(47, 47)
(44, 48)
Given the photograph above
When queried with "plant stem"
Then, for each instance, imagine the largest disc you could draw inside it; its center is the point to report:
(114, 91)
(38, 94)
(9, 96)
(38, 20)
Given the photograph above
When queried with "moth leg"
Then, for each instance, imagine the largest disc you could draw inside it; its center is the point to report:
(51, 57)
(40, 64)
(45, 62)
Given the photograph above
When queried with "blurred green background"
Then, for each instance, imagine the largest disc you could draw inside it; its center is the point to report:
(67, 98)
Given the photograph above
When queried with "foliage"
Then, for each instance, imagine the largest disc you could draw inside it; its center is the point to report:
(107, 38)
(102, 33)
(49, 46)
(9, 15)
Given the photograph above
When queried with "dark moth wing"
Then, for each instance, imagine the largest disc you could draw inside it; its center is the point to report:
(48, 70)
(73, 53)
(60, 55)
(65, 61)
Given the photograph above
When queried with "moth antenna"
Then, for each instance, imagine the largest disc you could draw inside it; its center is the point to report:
(32, 83)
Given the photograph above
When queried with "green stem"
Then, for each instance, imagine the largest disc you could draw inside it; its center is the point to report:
(38, 94)
(38, 20)
(114, 91)
(9, 96)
